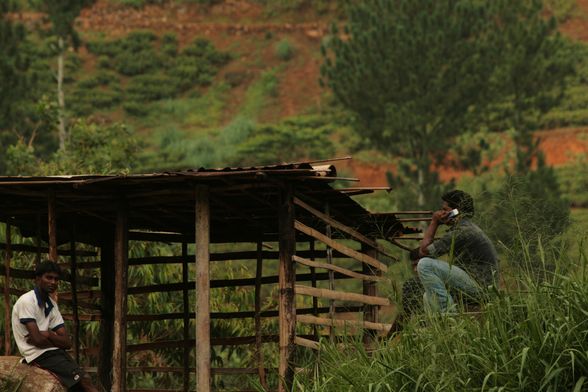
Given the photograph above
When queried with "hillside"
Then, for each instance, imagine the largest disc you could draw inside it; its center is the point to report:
(263, 84)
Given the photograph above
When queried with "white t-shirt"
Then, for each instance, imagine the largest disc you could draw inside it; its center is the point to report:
(29, 307)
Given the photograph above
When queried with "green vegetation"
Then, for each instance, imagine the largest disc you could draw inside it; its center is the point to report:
(531, 337)
(284, 50)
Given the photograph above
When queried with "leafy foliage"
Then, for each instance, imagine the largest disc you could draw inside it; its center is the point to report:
(293, 140)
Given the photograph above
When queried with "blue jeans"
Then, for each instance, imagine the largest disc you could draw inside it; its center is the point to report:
(437, 277)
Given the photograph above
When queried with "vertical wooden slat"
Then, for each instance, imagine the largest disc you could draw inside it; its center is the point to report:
(370, 312)
(258, 348)
(331, 273)
(119, 355)
(52, 226)
(186, 310)
(311, 247)
(287, 280)
(7, 307)
(74, 294)
(106, 340)
(202, 289)
(38, 241)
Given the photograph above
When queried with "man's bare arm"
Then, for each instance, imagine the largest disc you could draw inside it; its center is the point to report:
(438, 218)
(46, 339)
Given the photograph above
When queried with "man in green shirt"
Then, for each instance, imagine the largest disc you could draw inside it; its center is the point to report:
(472, 261)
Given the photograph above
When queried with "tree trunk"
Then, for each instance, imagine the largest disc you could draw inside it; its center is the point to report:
(60, 98)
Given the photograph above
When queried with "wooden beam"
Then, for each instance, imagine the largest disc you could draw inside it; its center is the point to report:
(74, 294)
(370, 313)
(308, 319)
(286, 302)
(341, 227)
(308, 343)
(258, 348)
(119, 355)
(333, 267)
(341, 295)
(203, 375)
(7, 307)
(107, 312)
(52, 226)
(186, 319)
(339, 247)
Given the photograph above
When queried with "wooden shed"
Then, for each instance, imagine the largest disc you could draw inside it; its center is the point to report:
(281, 212)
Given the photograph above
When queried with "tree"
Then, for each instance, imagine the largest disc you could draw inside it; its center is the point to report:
(536, 63)
(416, 73)
(62, 14)
(16, 84)
(413, 72)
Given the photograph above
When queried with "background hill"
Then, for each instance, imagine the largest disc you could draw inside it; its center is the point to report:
(194, 80)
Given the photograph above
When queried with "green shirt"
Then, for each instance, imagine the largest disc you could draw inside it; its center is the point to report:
(470, 249)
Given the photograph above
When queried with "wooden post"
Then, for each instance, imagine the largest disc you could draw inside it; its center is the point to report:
(7, 308)
(258, 348)
(52, 226)
(370, 312)
(186, 310)
(331, 273)
(203, 372)
(38, 241)
(107, 311)
(311, 247)
(119, 354)
(74, 294)
(287, 279)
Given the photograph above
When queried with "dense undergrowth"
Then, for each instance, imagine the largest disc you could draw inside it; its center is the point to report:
(531, 336)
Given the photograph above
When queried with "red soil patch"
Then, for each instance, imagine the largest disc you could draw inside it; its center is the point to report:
(560, 146)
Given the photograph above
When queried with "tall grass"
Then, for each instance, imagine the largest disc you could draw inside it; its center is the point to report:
(531, 336)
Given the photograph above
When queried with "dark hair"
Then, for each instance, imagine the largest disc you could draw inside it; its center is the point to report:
(47, 266)
(460, 200)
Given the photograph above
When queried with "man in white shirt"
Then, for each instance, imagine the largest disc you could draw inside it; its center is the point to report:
(39, 331)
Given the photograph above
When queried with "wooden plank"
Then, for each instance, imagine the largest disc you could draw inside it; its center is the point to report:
(39, 249)
(329, 235)
(341, 296)
(7, 307)
(119, 358)
(308, 319)
(307, 343)
(370, 313)
(339, 247)
(186, 320)
(107, 311)
(74, 295)
(333, 267)
(258, 345)
(202, 241)
(52, 226)
(286, 301)
(340, 226)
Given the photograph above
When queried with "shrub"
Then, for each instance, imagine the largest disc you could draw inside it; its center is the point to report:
(137, 109)
(284, 50)
(145, 88)
(131, 63)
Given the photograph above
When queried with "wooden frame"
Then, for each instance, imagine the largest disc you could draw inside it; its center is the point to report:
(286, 206)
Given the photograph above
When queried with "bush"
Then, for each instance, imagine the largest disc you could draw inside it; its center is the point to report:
(145, 88)
(137, 109)
(284, 50)
(137, 63)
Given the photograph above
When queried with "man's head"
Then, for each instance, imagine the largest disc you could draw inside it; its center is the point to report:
(460, 200)
(47, 276)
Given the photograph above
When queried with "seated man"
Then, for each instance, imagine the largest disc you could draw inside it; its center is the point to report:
(40, 333)
(473, 261)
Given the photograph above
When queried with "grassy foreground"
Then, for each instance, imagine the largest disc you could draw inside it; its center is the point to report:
(532, 336)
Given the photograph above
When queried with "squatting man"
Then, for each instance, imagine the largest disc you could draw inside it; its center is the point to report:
(39, 331)
(473, 261)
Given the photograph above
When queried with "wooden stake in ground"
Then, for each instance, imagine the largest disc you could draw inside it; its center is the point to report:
(202, 289)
